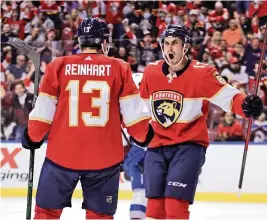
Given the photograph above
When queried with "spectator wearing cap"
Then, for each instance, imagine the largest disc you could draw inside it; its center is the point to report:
(197, 28)
(161, 23)
(149, 50)
(235, 72)
(229, 129)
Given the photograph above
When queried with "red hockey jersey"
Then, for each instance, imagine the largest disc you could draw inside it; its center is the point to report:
(179, 107)
(80, 101)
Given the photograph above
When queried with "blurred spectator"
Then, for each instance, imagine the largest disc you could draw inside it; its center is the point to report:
(145, 24)
(75, 20)
(219, 17)
(35, 39)
(16, 24)
(259, 129)
(239, 52)
(233, 34)
(124, 55)
(229, 129)
(43, 22)
(52, 48)
(51, 9)
(17, 71)
(258, 9)
(6, 34)
(252, 54)
(114, 16)
(22, 105)
(148, 51)
(244, 22)
(235, 72)
(196, 27)
(7, 116)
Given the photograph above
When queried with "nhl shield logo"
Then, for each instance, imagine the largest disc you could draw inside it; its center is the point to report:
(167, 107)
(109, 199)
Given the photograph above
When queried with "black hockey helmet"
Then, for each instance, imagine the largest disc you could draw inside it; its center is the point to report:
(92, 32)
(174, 30)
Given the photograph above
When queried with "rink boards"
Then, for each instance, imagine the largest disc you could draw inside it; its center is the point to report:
(218, 181)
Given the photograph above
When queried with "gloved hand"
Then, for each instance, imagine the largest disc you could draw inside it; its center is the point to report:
(27, 143)
(135, 155)
(252, 106)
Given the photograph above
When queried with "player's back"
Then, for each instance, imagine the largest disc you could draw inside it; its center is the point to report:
(85, 133)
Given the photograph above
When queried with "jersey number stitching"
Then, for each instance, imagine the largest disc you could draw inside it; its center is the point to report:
(101, 103)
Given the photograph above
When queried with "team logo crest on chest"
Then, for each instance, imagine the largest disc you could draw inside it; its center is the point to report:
(167, 107)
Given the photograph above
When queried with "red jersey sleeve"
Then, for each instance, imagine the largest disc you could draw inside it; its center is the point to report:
(42, 115)
(216, 90)
(134, 111)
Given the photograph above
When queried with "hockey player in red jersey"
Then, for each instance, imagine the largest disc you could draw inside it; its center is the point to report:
(177, 91)
(80, 102)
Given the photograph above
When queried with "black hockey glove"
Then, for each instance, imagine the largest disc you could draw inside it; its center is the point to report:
(149, 138)
(27, 143)
(252, 106)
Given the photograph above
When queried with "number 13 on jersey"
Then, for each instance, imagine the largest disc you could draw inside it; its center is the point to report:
(102, 103)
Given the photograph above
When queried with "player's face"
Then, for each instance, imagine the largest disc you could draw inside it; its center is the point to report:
(173, 49)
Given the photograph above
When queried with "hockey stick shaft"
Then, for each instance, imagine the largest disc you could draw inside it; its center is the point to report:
(125, 137)
(258, 76)
(32, 55)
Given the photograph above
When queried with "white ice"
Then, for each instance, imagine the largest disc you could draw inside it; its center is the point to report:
(14, 208)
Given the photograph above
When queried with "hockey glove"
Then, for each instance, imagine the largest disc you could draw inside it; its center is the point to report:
(135, 155)
(252, 106)
(27, 143)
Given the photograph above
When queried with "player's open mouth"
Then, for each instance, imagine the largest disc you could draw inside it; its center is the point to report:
(171, 55)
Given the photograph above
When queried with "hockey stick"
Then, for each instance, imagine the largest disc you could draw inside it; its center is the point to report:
(250, 119)
(32, 55)
(125, 137)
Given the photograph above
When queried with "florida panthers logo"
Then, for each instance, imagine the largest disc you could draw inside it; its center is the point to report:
(167, 107)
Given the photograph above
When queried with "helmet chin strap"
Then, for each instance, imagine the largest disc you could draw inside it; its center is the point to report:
(175, 65)
(105, 51)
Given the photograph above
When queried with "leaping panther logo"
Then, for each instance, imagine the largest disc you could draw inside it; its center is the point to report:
(167, 107)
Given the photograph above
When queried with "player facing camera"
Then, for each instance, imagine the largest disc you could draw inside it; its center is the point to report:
(175, 42)
(93, 35)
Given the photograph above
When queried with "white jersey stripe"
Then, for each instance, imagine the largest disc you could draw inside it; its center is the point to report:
(45, 108)
(133, 109)
(224, 97)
